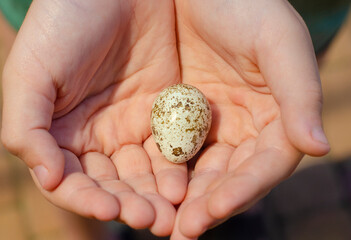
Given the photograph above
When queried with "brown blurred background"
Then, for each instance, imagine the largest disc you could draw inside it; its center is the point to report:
(313, 204)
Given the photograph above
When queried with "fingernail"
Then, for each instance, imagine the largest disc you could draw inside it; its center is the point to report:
(318, 135)
(42, 174)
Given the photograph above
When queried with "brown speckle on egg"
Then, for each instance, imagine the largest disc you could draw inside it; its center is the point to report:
(177, 151)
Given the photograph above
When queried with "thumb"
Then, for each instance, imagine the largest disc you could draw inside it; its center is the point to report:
(291, 72)
(28, 105)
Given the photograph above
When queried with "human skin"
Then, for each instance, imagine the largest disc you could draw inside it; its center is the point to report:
(254, 61)
(79, 85)
(78, 89)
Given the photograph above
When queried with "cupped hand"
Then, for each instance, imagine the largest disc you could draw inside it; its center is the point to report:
(78, 89)
(255, 63)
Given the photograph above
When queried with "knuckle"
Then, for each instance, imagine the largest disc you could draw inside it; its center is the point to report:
(10, 141)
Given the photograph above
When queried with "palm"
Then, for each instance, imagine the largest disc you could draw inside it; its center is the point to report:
(101, 117)
(247, 138)
(113, 106)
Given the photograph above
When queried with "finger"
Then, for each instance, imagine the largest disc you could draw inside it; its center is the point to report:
(132, 205)
(241, 153)
(214, 158)
(101, 168)
(177, 233)
(98, 166)
(273, 161)
(200, 219)
(157, 213)
(165, 215)
(80, 194)
(29, 96)
(209, 169)
(134, 168)
(193, 217)
(171, 179)
(288, 64)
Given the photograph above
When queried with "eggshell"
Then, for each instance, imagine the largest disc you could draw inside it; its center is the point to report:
(180, 121)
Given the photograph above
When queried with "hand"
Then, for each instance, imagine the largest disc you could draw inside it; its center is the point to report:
(78, 88)
(255, 62)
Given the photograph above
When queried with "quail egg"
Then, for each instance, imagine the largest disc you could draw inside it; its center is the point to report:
(180, 121)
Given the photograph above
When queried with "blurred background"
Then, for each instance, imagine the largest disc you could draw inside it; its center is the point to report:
(315, 203)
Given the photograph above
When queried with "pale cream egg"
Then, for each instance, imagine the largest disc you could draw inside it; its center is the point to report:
(180, 121)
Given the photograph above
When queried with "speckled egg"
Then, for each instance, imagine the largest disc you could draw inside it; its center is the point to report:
(180, 121)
